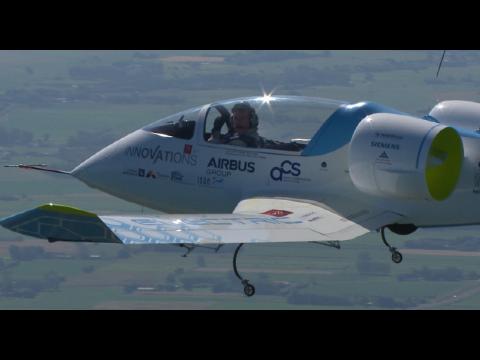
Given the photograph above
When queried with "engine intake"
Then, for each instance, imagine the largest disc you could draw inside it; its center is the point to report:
(405, 157)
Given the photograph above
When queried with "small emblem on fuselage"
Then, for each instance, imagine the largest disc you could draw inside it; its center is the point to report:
(187, 149)
(277, 213)
(176, 176)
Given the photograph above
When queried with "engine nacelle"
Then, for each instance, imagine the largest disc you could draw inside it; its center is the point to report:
(405, 157)
(465, 114)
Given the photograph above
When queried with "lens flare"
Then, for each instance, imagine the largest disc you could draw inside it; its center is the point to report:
(267, 99)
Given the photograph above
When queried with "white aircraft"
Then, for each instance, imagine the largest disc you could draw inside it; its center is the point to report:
(325, 171)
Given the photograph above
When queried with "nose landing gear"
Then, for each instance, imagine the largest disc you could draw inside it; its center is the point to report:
(248, 288)
(396, 255)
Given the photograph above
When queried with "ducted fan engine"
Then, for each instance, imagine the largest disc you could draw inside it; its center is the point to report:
(405, 157)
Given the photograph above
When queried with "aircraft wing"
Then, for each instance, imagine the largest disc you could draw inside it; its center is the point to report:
(258, 220)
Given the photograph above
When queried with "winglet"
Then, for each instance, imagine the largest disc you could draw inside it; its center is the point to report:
(60, 223)
(66, 210)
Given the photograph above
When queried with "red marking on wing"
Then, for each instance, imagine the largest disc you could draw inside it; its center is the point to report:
(277, 213)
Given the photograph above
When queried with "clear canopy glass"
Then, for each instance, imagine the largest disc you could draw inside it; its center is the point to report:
(282, 119)
(181, 125)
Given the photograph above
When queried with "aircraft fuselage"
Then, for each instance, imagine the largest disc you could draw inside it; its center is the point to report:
(194, 176)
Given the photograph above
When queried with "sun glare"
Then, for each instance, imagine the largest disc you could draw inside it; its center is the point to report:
(266, 99)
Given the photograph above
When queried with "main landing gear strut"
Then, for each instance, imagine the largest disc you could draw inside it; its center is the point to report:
(248, 288)
(396, 255)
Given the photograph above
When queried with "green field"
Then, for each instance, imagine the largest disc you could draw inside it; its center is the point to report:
(317, 269)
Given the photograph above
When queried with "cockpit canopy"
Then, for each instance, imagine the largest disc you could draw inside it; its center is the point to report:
(284, 122)
(310, 126)
(180, 126)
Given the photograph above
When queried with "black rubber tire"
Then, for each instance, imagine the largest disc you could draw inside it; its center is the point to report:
(397, 257)
(249, 290)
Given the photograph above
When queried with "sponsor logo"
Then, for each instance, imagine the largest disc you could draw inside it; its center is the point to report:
(152, 174)
(286, 168)
(224, 167)
(221, 220)
(143, 173)
(210, 181)
(384, 159)
(216, 180)
(388, 136)
(384, 145)
(220, 173)
(277, 213)
(176, 176)
(158, 154)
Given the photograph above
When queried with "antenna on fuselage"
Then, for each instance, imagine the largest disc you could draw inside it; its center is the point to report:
(441, 62)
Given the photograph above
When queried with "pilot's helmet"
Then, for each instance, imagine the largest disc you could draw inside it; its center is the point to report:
(253, 114)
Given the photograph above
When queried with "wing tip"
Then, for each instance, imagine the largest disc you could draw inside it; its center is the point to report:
(64, 209)
(13, 220)
(60, 223)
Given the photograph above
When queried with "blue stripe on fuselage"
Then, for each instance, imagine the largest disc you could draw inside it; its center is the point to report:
(338, 129)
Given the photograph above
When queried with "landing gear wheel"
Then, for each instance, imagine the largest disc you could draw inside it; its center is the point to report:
(249, 290)
(397, 257)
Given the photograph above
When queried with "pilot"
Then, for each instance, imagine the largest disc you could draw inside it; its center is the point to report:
(243, 127)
